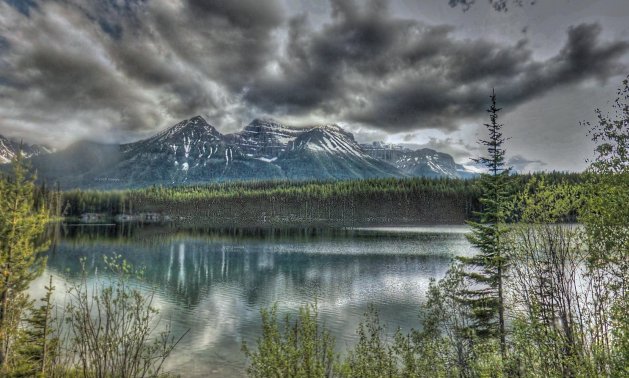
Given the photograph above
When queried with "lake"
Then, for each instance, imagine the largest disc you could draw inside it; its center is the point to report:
(214, 282)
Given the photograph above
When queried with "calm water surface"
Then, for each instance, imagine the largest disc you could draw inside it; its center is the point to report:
(214, 283)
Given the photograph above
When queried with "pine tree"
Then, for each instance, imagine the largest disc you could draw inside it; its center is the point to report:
(484, 272)
(37, 347)
(21, 225)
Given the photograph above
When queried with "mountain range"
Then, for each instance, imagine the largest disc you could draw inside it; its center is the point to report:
(194, 152)
(9, 148)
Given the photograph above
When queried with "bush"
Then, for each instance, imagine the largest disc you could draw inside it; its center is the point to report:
(297, 348)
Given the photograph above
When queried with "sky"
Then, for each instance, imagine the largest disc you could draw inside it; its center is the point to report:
(400, 71)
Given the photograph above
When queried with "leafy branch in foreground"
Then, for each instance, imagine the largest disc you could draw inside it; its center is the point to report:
(114, 326)
(606, 220)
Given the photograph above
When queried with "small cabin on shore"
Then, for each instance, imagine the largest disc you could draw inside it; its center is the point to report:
(126, 218)
(151, 217)
(93, 217)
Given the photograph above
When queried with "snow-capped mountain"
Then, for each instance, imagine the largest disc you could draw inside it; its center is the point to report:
(193, 135)
(190, 151)
(423, 162)
(9, 148)
(427, 162)
(194, 152)
(329, 152)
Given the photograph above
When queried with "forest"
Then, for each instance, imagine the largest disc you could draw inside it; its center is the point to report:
(412, 201)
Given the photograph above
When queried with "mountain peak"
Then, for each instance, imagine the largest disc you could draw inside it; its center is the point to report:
(198, 118)
(329, 138)
(266, 138)
(330, 126)
(333, 129)
(195, 127)
(185, 133)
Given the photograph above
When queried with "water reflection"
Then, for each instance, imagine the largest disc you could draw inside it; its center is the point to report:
(215, 281)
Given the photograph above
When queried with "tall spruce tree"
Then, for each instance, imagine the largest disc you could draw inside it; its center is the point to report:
(38, 345)
(21, 224)
(484, 272)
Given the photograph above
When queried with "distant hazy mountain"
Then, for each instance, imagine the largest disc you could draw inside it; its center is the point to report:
(192, 151)
(423, 162)
(9, 148)
(79, 165)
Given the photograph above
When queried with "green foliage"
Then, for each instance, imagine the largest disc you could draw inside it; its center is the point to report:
(336, 203)
(292, 349)
(22, 223)
(547, 287)
(38, 347)
(373, 356)
(114, 326)
(443, 347)
(307, 203)
(606, 220)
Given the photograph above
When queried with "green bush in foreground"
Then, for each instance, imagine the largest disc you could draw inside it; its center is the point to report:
(299, 348)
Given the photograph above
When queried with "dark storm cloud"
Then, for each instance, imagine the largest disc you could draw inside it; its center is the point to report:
(129, 66)
(60, 75)
(369, 67)
(521, 164)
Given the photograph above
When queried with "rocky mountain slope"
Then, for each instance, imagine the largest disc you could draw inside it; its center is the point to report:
(265, 139)
(9, 148)
(329, 152)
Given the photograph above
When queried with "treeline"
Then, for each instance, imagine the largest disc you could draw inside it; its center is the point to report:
(341, 203)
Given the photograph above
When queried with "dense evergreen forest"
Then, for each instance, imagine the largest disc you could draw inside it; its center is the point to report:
(335, 203)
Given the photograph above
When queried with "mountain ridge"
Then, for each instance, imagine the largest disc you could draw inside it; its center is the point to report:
(193, 152)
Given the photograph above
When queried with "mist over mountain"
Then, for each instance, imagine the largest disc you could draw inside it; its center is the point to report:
(194, 152)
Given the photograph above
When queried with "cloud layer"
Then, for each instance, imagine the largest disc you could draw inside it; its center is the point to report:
(118, 68)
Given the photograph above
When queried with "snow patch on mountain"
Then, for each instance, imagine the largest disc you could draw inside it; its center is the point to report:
(265, 137)
(330, 139)
(9, 149)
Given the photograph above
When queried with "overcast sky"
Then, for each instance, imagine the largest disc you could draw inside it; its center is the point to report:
(411, 71)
